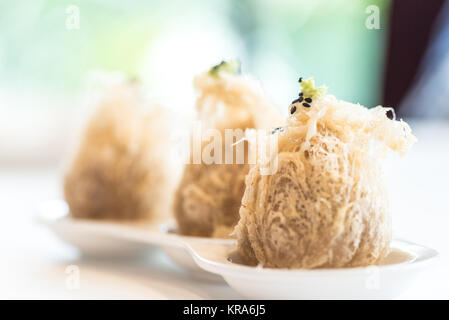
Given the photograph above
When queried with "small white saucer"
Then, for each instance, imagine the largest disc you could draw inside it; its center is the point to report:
(91, 238)
(122, 240)
(385, 281)
(215, 258)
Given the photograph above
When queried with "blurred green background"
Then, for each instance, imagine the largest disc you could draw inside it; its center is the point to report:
(167, 42)
(48, 68)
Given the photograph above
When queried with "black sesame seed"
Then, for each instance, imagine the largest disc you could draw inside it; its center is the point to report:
(295, 101)
(390, 115)
(293, 110)
(309, 100)
(280, 129)
(300, 99)
(301, 94)
(300, 79)
(305, 104)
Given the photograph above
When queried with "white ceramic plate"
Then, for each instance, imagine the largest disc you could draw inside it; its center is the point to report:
(216, 258)
(92, 238)
(385, 281)
(103, 239)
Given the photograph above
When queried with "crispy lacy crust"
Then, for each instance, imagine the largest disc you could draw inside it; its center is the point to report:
(234, 101)
(119, 168)
(326, 206)
(208, 198)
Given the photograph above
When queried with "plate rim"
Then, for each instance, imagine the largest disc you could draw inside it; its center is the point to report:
(238, 270)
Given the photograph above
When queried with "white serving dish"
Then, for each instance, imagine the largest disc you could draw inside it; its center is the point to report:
(216, 258)
(103, 239)
(385, 281)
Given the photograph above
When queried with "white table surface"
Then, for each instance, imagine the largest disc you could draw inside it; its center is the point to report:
(34, 262)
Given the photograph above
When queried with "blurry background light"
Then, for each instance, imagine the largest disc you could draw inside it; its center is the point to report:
(44, 64)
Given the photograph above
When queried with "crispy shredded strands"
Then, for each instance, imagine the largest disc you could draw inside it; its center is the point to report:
(119, 170)
(208, 198)
(327, 205)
